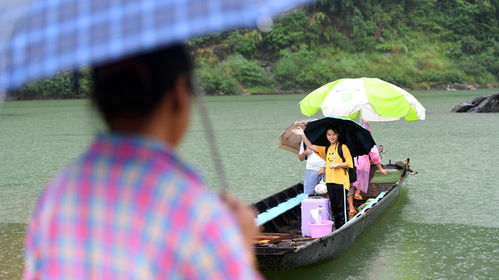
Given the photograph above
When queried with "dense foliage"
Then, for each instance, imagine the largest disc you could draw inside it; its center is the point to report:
(412, 43)
(67, 85)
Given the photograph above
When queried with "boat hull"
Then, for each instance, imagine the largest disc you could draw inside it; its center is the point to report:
(329, 246)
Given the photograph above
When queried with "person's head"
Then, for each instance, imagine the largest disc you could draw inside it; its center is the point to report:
(333, 135)
(132, 93)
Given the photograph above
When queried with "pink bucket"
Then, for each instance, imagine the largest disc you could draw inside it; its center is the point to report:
(309, 204)
(320, 230)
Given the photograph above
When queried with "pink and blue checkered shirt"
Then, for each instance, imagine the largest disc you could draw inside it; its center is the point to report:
(130, 209)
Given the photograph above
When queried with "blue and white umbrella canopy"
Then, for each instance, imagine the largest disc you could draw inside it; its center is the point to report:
(39, 38)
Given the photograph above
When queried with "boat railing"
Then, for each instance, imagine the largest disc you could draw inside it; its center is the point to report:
(279, 209)
(367, 207)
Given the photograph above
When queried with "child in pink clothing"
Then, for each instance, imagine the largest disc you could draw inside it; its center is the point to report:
(363, 166)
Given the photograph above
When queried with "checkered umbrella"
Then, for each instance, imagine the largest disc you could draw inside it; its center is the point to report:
(39, 38)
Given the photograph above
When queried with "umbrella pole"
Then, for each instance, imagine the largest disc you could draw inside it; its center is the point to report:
(212, 145)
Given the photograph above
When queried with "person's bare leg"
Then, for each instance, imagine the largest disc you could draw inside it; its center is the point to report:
(351, 208)
(357, 194)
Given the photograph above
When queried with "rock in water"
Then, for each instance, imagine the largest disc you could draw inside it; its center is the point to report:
(482, 104)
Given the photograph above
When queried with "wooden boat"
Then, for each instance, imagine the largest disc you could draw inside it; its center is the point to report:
(281, 246)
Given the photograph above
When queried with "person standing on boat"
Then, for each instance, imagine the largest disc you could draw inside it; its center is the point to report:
(130, 207)
(314, 169)
(363, 167)
(337, 180)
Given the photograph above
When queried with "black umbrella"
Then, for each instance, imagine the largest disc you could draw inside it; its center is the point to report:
(357, 138)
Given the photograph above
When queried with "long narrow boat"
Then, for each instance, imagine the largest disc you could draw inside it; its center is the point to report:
(281, 246)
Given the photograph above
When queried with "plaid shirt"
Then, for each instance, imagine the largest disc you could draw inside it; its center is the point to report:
(130, 209)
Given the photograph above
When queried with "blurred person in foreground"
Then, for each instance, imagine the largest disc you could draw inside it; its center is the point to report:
(129, 207)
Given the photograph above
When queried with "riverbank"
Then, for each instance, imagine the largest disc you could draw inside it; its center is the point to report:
(443, 87)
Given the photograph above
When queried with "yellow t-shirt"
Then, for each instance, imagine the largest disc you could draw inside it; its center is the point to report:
(336, 175)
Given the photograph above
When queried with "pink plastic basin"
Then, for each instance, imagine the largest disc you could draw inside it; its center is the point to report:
(312, 203)
(320, 230)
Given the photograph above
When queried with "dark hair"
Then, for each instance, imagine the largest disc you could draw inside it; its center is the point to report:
(335, 129)
(134, 86)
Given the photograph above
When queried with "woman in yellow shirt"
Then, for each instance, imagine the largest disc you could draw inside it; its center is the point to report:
(337, 179)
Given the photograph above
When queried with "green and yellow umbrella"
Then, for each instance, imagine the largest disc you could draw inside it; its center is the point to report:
(375, 99)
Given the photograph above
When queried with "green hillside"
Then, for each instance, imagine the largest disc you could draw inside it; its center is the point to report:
(416, 44)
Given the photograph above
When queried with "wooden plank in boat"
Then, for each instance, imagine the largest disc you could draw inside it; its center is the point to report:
(270, 238)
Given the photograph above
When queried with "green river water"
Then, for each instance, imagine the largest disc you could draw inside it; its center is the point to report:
(443, 226)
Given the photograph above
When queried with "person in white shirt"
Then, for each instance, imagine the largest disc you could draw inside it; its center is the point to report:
(314, 169)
